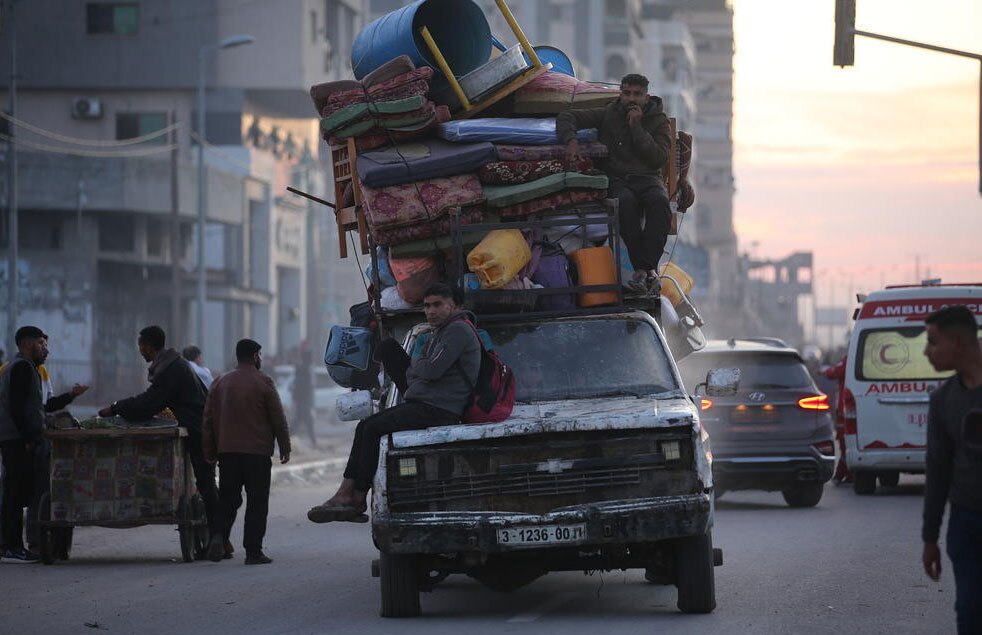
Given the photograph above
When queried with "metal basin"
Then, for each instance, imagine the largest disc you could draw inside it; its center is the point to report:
(498, 71)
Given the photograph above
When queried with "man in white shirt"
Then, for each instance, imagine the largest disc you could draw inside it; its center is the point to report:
(193, 355)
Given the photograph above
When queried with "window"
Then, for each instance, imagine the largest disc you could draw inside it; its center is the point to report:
(894, 354)
(758, 371)
(112, 18)
(130, 125)
(580, 359)
(156, 236)
(38, 231)
(117, 233)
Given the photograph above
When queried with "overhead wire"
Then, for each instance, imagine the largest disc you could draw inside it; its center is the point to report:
(44, 147)
(87, 142)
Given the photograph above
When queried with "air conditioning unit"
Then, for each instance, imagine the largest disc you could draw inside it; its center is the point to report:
(87, 108)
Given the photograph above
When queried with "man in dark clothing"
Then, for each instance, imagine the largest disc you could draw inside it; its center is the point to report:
(42, 452)
(243, 416)
(637, 134)
(954, 459)
(438, 389)
(174, 385)
(21, 430)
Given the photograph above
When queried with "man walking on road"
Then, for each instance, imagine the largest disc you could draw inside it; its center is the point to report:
(954, 460)
(174, 385)
(21, 430)
(243, 416)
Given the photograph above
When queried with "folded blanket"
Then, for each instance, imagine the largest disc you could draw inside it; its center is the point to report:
(512, 172)
(552, 93)
(420, 160)
(506, 152)
(375, 123)
(321, 93)
(378, 137)
(414, 83)
(395, 236)
(422, 201)
(507, 195)
(558, 200)
(365, 111)
(500, 130)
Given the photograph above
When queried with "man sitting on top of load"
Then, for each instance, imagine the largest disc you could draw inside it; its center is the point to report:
(637, 134)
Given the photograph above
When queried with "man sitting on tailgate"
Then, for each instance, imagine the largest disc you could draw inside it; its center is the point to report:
(438, 389)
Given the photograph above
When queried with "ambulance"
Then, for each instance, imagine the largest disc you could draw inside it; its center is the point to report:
(889, 380)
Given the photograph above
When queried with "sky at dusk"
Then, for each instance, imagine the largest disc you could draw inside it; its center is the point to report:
(870, 166)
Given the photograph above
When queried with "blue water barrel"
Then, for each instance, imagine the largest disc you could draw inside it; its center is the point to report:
(559, 60)
(458, 26)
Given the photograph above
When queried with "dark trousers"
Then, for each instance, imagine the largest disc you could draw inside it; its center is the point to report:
(642, 198)
(42, 484)
(204, 477)
(252, 472)
(18, 491)
(363, 460)
(965, 551)
(395, 361)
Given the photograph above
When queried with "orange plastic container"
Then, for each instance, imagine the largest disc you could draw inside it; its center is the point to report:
(595, 266)
(668, 288)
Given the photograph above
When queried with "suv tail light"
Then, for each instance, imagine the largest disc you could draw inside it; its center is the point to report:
(705, 404)
(848, 411)
(826, 447)
(818, 402)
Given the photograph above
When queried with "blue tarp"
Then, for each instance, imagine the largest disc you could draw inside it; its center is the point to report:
(534, 132)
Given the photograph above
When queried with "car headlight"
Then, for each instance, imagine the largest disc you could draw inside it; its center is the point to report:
(671, 450)
(408, 467)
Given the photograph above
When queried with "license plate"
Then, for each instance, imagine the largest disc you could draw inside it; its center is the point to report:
(541, 535)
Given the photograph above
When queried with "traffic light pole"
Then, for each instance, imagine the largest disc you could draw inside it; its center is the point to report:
(948, 51)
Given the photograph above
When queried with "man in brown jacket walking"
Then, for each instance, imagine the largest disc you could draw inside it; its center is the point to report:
(243, 416)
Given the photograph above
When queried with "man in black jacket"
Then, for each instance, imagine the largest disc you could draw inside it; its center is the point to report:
(174, 385)
(954, 459)
(21, 429)
(637, 134)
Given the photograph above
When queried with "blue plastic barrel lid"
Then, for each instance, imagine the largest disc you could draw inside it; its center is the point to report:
(459, 28)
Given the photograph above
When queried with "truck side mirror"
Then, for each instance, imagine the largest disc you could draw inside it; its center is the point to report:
(722, 382)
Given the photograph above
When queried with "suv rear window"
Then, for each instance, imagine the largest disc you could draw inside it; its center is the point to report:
(580, 359)
(894, 354)
(758, 370)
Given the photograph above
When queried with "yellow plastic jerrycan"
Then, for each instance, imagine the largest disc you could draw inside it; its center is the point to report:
(668, 288)
(499, 257)
(595, 266)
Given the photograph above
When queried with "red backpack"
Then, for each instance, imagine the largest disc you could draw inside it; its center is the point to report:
(493, 398)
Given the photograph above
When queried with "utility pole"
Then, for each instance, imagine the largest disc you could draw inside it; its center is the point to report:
(175, 237)
(12, 228)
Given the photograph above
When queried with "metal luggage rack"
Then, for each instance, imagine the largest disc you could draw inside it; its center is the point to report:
(486, 302)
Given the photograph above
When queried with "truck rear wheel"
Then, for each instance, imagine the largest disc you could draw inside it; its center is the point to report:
(889, 479)
(694, 575)
(803, 494)
(399, 579)
(864, 483)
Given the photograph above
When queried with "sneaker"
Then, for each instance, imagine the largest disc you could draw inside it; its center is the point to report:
(257, 558)
(19, 556)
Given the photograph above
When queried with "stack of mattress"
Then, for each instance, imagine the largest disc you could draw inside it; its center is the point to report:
(387, 106)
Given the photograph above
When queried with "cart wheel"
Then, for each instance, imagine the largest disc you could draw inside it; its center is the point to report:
(201, 535)
(46, 533)
(63, 542)
(185, 530)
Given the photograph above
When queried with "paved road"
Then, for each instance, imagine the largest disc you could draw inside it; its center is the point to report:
(849, 566)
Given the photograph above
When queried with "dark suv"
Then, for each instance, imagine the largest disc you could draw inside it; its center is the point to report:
(775, 433)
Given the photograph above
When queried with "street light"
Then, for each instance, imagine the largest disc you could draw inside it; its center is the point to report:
(229, 42)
